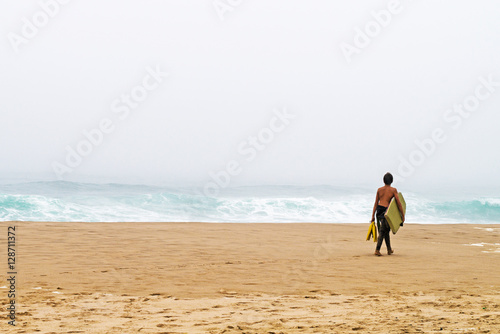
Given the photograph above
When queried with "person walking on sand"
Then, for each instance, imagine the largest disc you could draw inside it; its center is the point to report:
(384, 197)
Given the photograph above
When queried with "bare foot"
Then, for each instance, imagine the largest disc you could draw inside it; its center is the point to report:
(377, 253)
(390, 251)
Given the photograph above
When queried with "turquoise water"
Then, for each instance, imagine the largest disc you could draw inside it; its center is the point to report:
(67, 201)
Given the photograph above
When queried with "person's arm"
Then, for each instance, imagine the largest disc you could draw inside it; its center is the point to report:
(400, 207)
(375, 207)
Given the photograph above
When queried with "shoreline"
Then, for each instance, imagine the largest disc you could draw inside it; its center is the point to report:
(222, 275)
(237, 223)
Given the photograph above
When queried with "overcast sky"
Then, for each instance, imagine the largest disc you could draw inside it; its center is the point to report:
(360, 81)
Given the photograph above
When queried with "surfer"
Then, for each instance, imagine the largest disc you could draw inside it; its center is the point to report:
(384, 196)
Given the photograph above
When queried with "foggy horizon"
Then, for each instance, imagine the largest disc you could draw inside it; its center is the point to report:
(257, 93)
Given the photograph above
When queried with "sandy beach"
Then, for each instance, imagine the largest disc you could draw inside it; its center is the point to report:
(252, 278)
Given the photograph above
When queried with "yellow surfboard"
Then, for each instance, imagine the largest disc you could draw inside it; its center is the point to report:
(372, 232)
(392, 214)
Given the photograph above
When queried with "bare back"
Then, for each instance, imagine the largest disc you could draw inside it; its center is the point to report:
(385, 194)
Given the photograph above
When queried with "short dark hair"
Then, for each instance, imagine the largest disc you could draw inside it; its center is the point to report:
(388, 179)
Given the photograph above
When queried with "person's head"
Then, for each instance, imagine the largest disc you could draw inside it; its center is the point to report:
(388, 179)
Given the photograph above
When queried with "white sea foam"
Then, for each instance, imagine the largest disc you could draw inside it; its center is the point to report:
(490, 247)
(66, 201)
(488, 229)
(490, 201)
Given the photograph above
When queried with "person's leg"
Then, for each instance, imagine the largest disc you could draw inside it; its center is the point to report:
(379, 244)
(388, 239)
(381, 236)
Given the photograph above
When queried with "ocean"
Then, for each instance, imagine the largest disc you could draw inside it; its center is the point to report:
(61, 201)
